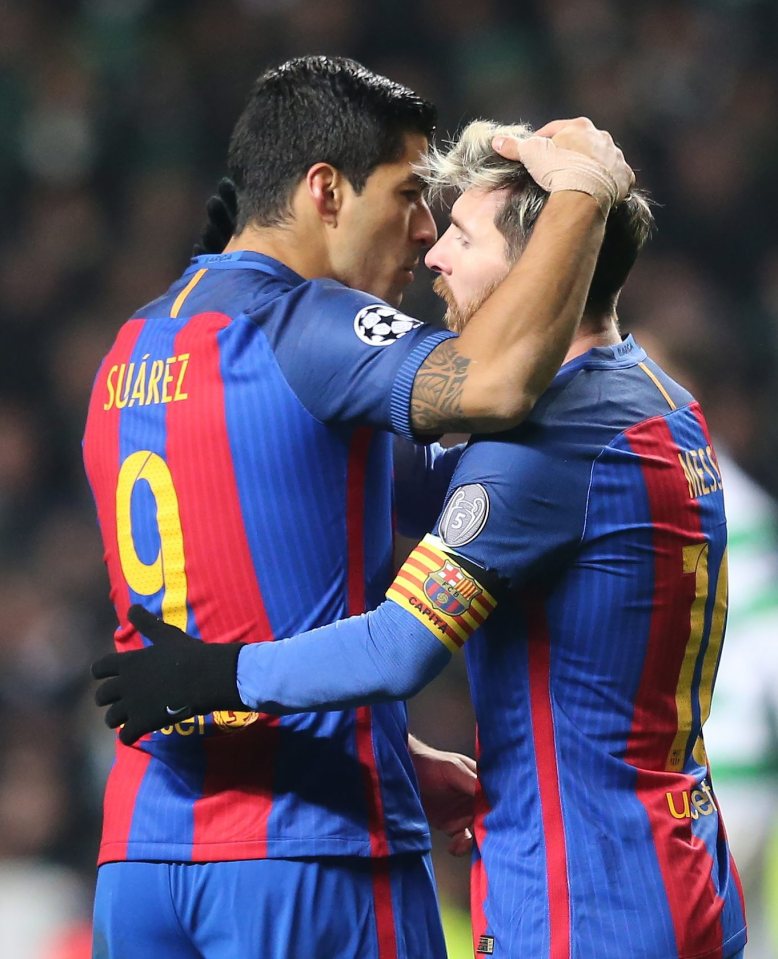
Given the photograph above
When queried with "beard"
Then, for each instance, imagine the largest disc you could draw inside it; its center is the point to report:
(457, 317)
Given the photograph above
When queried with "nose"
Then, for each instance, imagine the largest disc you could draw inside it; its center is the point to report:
(436, 259)
(423, 228)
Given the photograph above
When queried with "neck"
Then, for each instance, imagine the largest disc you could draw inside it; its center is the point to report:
(593, 332)
(285, 244)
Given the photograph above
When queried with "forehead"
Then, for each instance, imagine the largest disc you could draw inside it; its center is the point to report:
(415, 146)
(475, 210)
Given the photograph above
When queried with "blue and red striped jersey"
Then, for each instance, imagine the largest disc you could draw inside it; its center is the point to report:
(598, 830)
(237, 451)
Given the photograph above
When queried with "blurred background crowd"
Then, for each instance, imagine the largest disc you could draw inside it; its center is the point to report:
(115, 121)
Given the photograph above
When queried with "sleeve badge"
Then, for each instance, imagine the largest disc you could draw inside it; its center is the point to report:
(380, 325)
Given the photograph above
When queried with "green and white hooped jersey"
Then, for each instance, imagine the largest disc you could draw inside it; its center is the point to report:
(741, 734)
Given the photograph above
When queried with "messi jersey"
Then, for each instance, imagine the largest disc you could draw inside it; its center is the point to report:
(598, 830)
(236, 449)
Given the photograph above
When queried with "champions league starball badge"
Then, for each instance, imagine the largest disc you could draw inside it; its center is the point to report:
(380, 325)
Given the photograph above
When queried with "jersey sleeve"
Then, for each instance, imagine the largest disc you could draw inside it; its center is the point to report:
(379, 657)
(350, 358)
(387, 654)
(517, 508)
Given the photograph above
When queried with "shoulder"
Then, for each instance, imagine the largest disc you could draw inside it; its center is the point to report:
(372, 321)
(604, 393)
(327, 308)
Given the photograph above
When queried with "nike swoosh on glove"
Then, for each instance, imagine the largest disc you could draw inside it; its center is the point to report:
(175, 678)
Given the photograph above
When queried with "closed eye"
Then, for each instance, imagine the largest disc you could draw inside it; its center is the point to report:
(461, 235)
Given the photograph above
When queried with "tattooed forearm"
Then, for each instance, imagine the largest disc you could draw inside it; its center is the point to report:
(436, 401)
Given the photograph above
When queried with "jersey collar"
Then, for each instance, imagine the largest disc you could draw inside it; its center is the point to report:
(244, 260)
(616, 356)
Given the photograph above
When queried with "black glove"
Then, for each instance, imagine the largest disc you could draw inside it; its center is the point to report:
(222, 210)
(176, 678)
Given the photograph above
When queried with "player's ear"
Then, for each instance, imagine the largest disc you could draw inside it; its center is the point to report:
(325, 188)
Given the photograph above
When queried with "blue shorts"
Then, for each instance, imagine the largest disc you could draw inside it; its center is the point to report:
(349, 908)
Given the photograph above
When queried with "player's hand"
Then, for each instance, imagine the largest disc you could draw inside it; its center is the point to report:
(222, 210)
(175, 678)
(573, 155)
(447, 782)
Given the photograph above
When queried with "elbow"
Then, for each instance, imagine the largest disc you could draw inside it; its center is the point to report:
(501, 408)
(403, 687)
(514, 406)
(408, 676)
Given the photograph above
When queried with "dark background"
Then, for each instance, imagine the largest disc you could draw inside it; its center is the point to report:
(115, 120)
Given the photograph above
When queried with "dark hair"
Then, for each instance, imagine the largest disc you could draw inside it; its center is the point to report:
(317, 109)
(628, 227)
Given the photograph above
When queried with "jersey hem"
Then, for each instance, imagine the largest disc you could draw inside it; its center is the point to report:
(272, 849)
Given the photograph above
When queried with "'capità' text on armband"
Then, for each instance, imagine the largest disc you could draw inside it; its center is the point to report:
(441, 593)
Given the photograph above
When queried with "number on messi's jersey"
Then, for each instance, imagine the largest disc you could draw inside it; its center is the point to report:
(167, 571)
(695, 560)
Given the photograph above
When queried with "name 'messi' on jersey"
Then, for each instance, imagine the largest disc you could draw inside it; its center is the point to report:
(700, 470)
(146, 383)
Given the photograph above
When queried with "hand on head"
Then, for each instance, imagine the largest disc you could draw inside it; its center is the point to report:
(573, 155)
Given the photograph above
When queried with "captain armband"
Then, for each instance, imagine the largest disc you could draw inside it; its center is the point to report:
(442, 593)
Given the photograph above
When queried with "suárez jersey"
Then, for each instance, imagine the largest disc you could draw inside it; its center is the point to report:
(598, 827)
(236, 449)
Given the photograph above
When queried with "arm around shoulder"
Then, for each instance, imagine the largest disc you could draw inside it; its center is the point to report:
(490, 377)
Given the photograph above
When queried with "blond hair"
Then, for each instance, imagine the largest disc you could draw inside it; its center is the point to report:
(470, 162)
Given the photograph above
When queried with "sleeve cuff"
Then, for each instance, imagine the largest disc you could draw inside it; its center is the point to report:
(400, 404)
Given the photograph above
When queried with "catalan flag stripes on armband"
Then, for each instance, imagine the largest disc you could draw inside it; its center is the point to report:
(440, 593)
